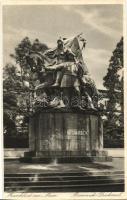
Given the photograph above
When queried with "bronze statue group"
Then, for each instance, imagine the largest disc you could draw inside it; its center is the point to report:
(60, 71)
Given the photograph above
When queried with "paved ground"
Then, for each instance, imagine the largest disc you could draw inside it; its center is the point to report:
(17, 167)
(115, 152)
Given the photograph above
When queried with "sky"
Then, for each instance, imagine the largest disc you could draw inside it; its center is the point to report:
(101, 25)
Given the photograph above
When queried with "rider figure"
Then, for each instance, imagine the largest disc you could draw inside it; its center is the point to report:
(65, 60)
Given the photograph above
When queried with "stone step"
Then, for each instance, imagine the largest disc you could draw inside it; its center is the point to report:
(63, 182)
(69, 173)
(53, 178)
(66, 181)
(113, 187)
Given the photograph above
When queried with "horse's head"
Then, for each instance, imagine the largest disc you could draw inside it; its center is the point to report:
(36, 62)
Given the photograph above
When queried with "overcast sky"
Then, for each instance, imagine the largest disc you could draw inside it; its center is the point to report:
(101, 25)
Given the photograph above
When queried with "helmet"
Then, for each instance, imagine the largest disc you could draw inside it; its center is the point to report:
(60, 40)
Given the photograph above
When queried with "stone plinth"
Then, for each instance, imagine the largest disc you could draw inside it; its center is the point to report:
(66, 136)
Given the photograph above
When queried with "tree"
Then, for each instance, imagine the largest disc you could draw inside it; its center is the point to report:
(113, 81)
(11, 83)
(16, 95)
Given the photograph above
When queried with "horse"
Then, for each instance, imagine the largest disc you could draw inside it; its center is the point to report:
(46, 74)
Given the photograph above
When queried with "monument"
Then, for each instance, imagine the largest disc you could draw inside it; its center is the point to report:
(65, 124)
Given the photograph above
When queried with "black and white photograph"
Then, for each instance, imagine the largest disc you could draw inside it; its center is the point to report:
(63, 98)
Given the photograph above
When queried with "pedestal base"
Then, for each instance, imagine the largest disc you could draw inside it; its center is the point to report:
(67, 159)
(66, 137)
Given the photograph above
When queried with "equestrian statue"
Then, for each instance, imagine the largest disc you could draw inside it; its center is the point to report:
(62, 69)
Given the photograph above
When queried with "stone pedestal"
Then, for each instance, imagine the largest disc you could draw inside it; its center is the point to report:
(66, 136)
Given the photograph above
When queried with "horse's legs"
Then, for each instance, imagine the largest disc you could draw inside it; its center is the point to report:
(77, 88)
(90, 102)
